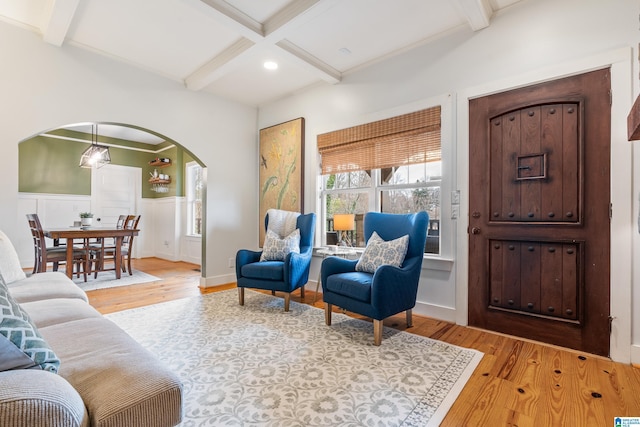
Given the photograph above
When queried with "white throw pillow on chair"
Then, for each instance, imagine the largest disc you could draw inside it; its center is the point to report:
(379, 252)
(10, 269)
(277, 249)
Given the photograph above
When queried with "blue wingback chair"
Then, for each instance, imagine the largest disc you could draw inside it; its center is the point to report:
(389, 290)
(284, 276)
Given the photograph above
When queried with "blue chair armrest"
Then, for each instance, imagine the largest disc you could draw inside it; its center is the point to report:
(297, 265)
(244, 257)
(335, 265)
(394, 289)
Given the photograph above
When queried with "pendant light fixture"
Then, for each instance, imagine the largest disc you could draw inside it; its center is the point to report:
(96, 155)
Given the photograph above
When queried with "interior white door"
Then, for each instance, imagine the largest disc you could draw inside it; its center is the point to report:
(115, 191)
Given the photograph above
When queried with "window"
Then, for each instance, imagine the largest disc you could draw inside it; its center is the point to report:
(194, 186)
(393, 165)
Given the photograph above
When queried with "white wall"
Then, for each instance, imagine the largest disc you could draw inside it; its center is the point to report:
(524, 44)
(44, 87)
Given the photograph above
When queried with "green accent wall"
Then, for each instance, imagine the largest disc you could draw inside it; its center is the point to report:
(50, 165)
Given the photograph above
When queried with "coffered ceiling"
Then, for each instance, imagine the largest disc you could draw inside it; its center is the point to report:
(220, 46)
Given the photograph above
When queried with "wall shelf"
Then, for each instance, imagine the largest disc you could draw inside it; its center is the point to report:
(159, 181)
(160, 163)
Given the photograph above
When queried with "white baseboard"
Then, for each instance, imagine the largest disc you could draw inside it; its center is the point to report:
(223, 279)
(446, 314)
(635, 354)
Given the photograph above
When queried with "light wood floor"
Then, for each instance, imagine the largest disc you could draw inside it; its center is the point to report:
(518, 383)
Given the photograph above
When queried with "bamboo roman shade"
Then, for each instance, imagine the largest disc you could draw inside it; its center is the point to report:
(397, 141)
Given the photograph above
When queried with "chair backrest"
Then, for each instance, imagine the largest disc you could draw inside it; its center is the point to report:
(131, 223)
(307, 225)
(39, 242)
(122, 219)
(391, 226)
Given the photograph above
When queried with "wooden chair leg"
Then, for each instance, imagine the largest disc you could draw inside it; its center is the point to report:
(377, 332)
(409, 318)
(273, 293)
(287, 298)
(302, 292)
(241, 296)
(327, 313)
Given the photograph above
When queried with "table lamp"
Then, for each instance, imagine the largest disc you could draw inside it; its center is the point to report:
(342, 223)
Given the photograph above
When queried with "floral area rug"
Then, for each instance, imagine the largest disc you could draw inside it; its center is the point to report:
(255, 365)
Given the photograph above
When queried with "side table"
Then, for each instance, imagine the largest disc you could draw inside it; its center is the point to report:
(341, 251)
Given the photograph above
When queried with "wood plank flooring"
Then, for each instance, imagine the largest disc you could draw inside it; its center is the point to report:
(518, 383)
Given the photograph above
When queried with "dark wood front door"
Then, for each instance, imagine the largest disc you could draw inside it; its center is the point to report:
(539, 206)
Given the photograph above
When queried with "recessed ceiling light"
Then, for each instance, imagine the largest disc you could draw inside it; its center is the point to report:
(271, 65)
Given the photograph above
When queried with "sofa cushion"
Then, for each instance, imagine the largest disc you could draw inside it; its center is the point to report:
(10, 270)
(58, 310)
(277, 249)
(41, 286)
(120, 382)
(379, 252)
(17, 328)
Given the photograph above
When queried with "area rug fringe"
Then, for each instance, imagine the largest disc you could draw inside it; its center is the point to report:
(255, 365)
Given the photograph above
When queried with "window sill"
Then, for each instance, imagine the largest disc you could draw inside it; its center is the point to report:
(440, 264)
(428, 262)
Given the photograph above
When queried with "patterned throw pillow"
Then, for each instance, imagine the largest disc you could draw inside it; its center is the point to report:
(378, 252)
(276, 249)
(17, 329)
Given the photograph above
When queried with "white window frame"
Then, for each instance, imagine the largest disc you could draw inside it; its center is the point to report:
(190, 193)
(447, 181)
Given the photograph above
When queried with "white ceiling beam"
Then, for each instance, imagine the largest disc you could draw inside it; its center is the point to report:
(477, 12)
(290, 16)
(218, 66)
(57, 20)
(310, 62)
(271, 34)
(234, 19)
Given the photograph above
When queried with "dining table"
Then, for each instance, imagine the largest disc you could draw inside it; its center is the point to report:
(85, 233)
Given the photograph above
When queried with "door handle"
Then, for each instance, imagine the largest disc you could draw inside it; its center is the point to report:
(475, 230)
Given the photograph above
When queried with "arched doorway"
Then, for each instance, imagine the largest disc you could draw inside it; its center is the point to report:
(49, 174)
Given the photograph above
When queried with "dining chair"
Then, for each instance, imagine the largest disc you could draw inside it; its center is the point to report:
(104, 251)
(56, 254)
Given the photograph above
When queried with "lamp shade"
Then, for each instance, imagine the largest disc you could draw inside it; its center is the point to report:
(96, 155)
(343, 222)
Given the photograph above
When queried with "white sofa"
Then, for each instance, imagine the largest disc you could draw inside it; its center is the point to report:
(104, 377)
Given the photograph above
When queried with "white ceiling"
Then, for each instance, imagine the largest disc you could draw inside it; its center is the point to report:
(220, 46)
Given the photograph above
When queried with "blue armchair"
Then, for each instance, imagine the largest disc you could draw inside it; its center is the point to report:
(283, 276)
(387, 291)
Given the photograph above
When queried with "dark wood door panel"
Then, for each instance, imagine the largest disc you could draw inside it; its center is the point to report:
(536, 278)
(539, 199)
(535, 165)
